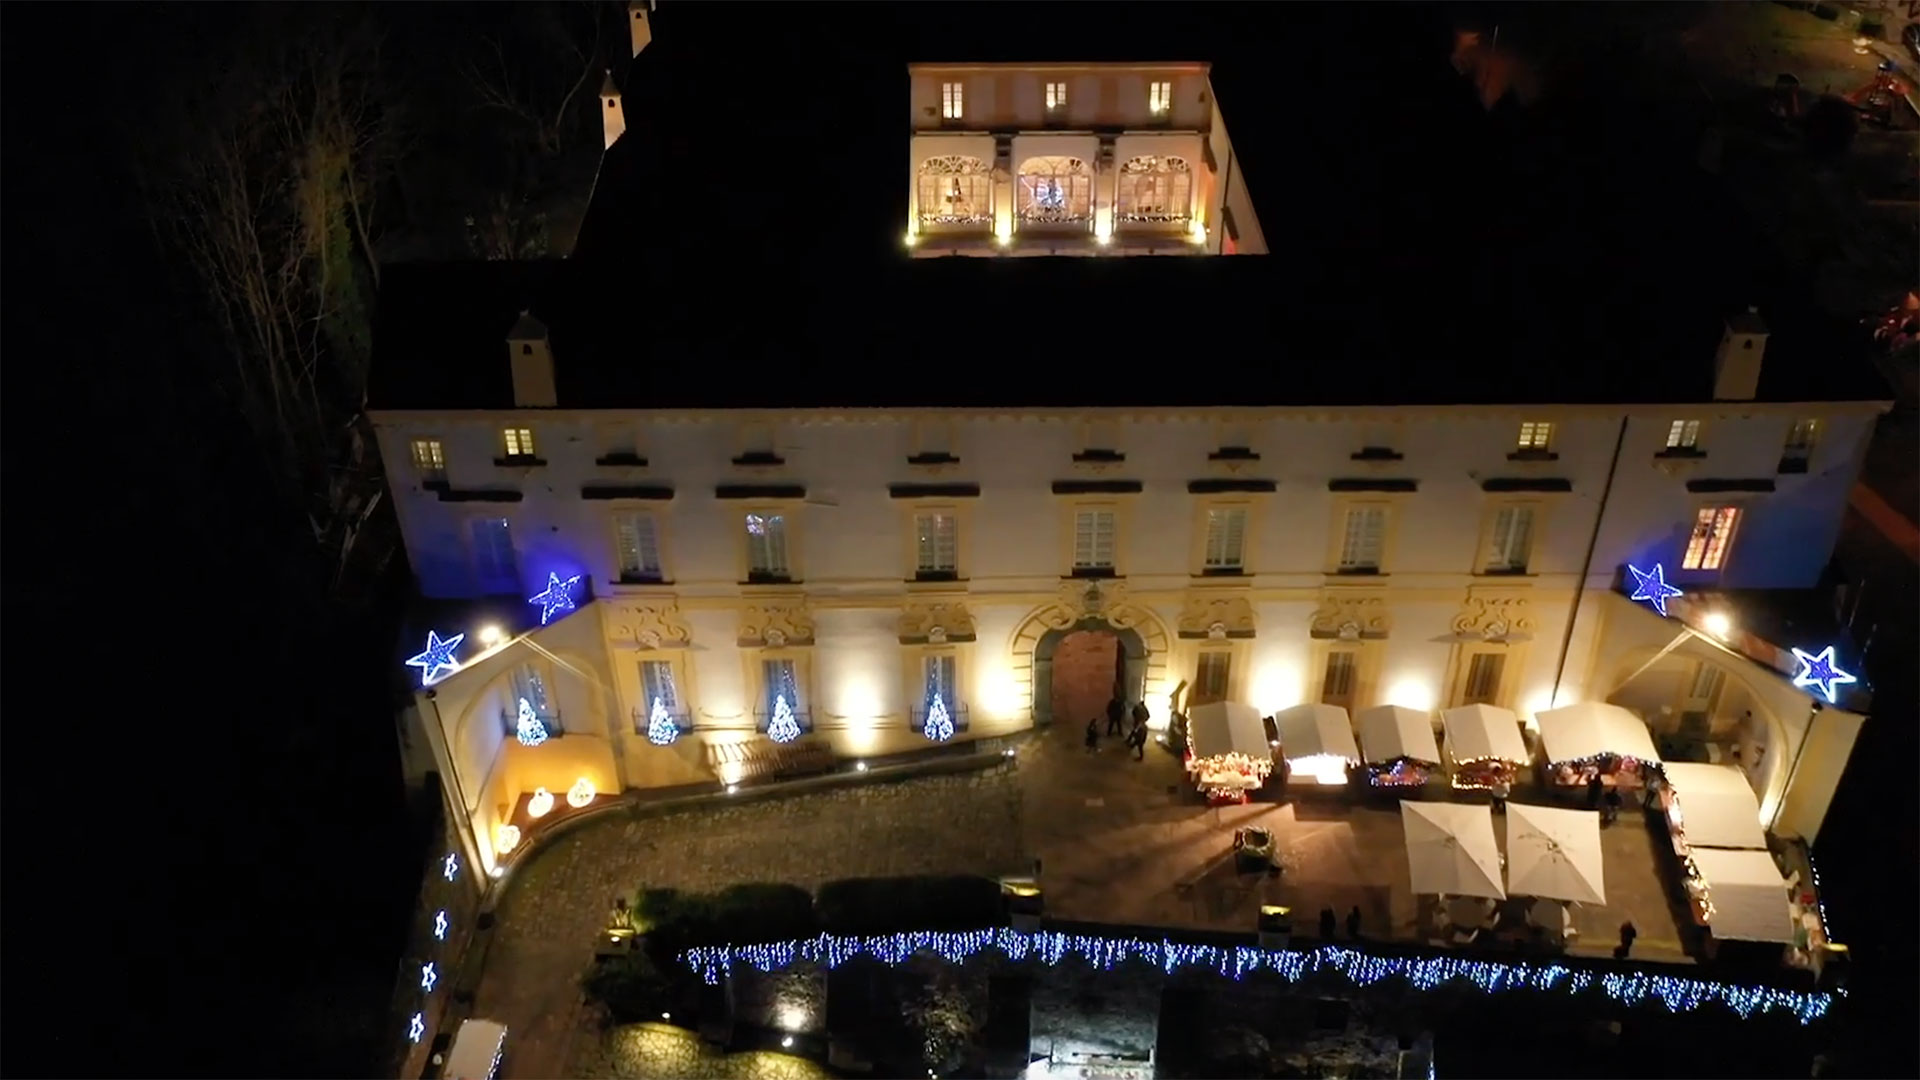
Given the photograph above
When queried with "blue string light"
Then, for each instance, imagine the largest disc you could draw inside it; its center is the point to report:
(1818, 671)
(1677, 993)
(437, 657)
(1652, 588)
(558, 596)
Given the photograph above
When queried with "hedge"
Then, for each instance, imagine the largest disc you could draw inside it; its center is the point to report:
(862, 906)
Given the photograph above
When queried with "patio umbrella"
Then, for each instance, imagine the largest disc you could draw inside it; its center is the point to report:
(1451, 849)
(1555, 853)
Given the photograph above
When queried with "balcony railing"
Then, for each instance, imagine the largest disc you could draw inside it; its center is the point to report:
(510, 719)
(956, 712)
(643, 719)
(764, 717)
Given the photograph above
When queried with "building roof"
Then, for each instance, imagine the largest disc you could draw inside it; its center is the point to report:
(739, 253)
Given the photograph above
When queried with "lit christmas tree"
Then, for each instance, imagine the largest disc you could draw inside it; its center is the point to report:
(528, 728)
(939, 724)
(661, 730)
(783, 727)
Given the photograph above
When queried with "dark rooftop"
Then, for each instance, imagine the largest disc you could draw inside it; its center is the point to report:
(744, 245)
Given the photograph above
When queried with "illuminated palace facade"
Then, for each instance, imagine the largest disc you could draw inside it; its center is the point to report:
(721, 595)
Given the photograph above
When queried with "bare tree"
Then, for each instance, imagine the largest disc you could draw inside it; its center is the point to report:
(542, 79)
(260, 171)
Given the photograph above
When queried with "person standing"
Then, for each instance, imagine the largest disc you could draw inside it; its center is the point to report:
(1327, 924)
(1116, 712)
(1093, 735)
(1594, 786)
(1353, 923)
(1612, 812)
(1137, 738)
(1627, 934)
(1501, 789)
(1141, 714)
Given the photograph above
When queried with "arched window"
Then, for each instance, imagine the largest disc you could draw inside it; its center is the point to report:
(1055, 191)
(1158, 189)
(955, 190)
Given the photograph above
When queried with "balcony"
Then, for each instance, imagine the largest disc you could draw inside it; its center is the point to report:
(956, 712)
(803, 717)
(643, 719)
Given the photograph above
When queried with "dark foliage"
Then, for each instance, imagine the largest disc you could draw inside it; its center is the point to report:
(1829, 129)
(891, 905)
(630, 987)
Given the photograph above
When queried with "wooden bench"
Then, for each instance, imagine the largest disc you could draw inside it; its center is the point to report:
(762, 759)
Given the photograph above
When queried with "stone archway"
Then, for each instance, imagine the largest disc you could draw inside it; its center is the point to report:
(1096, 606)
(1647, 692)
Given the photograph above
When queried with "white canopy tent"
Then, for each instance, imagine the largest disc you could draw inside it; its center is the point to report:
(1395, 731)
(1451, 849)
(1317, 741)
(1483, 733)
(1555, 853)
(1592, 729)
(1747, 894)
(1227, 727)
(1716, 807)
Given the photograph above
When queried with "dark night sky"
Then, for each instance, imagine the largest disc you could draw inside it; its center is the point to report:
(208, 861)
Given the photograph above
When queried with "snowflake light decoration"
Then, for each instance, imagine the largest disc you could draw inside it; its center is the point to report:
(437, 658)
(440, 925)
(557, 597)
(1652, 587)
(416, 1028)
(429, 976)
(661, 730)
(450, 866)
(1819, 671)
(527, 726)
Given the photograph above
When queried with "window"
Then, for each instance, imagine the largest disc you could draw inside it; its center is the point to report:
(1510, 541)
(1364, 539)
(429, 460)
(767, 546)
(1055, 190)
(780, 682)
(1800, 439)
(953, 102)
(657, 684)
(937, 543)
(1093, 533)
(1155, 189)
(1483, 678)
(1210, 677)
(955, 190)
(637, 541)
(1056, 95)
(529, 687)
(1226, 539)
(494, 567)
(942, 680)
(518, 441)
(1535, 435)
(1338, 683)
(1713, 529)
(1159, 96)
(1683, 435)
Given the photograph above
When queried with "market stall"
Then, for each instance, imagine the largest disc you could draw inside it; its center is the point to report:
(1555, 854)
(1398, 746)
(1451, 850)
(1596, 740)
(1484, 745)
(1739, 896)
(1317, 743)
(1710, 806)
(1228, 755)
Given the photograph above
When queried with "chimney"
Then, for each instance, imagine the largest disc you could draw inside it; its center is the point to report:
(613, 116)
(640, 24)
(531, 353)
(1736, 363)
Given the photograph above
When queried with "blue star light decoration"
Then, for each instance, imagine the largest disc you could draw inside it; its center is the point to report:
(450, 865)
(416, 1028)
(440, 926)
(1818, 670)
(438, 657)
(557, 597)
(429, 977)
(1652, 588)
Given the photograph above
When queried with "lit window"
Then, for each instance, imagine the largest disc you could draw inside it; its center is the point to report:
(1800, 439)
(1160, 96)
(1536, 435)
(1055, 190)
(529, 687)
(1683, 435)
(518, 441)
(1337, 682)
(1712, 537)
(1483, 678)
(1093, 534)
(1511, 540)
(937, 542)
(494, 567)
(638, 540)
(953, 103)
(941, 680)
(1226, 538)
(1210, 678)
(767, 545)
(1056, 95)
(1155, 189)
(1364, 539)
(429, 460)
(657, 684)
(955, 190)
(780, 680)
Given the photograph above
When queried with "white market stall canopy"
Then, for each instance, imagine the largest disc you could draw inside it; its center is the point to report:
(1716, 804)
(1591, 729)
(1451, 849)
(1483, 733)
(1395, 731)
(1555, 853)
(1748, 895)
(1313, 731)
(1227, 727)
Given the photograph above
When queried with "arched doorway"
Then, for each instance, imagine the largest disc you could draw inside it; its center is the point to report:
(1141, 661)
(1700, 708)
(1078, 670)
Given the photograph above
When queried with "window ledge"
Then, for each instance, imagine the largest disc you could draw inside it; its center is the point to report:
(1792, 467)
(1092, 573)
(945, 577)
(1533, 455)
(642, 580)
(1358, 572)
(932, 460)
(1681, 453)
(1376, 453)
(1233, 453)
(1522, 572)
(435, 483)
(757, 578)
(759, 459)
(520, 461)
(1223, 572)
(621, 460)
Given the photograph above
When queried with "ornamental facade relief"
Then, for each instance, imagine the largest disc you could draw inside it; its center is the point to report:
(935, 623)
(1351, 615)
(648, 625)
(1494, 615)
(776, 623)
(1216, 617)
